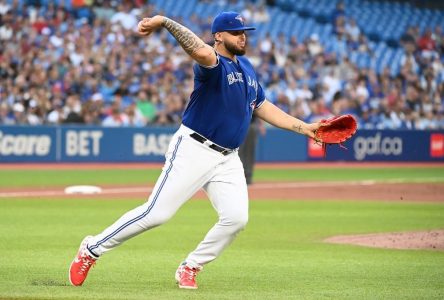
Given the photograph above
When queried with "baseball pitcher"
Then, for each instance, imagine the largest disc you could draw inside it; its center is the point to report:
(203, 151)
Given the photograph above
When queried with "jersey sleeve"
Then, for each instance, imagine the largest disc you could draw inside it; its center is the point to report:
(260, 99)
(203, 72)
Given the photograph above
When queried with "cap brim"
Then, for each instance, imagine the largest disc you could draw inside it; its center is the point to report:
(241, 28)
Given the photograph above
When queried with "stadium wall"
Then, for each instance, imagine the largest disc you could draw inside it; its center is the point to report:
(148, 144)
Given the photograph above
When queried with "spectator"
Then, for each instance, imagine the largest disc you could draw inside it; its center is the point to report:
(427, 122)
(304, 93)
(427, 45)
(135, 117)
(352, 29)
(247, 13)
(266, 44)
(408, 62)
(4, 7)
(331, 85)
(34, 114)
(91, 113)
(339, 19)
(339, 11)
(19, 114)
(283, 103)
(72, 110)
(116, 118)
(146, 106)
(408, 40)
(5, 116)
(261, 15)
(162, 118)
(362, 92)
(103, 10)
(291, 92)
(6, 31)
(125, 17)
(438, 37)
(56, 116)
(314, 46)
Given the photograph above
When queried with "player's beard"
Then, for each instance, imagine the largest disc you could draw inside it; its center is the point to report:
(233, 48)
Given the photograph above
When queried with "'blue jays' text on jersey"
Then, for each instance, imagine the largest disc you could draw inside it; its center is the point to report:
(223, 101)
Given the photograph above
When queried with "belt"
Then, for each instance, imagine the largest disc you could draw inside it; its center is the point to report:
(203, 140)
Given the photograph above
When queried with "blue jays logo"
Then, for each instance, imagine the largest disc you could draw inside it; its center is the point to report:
(253, 83)
(234, 77)
(239, 17)
(253, 104)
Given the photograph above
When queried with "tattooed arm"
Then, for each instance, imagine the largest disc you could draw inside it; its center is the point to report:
(202, 53)
(277, 117)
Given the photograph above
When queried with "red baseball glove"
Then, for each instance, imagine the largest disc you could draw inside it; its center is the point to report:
(336, 130)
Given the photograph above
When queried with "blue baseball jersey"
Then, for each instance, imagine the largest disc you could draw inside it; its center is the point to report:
(223, 101)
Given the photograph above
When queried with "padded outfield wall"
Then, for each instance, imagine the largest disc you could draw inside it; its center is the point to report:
(100, 144)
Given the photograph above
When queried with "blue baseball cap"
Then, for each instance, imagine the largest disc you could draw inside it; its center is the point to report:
(229, 21)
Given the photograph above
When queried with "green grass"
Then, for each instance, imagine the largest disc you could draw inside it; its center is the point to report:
(28, 178)
(280, 255)
(21, 178)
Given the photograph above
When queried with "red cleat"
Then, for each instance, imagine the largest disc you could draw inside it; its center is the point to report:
(81, 264)
(186, 277)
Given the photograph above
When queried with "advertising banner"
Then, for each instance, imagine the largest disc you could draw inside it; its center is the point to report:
(83, 144)
(115, 144)
(149, 144)
(27, 144)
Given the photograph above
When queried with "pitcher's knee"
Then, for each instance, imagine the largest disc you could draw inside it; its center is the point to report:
(236, 223)
(151, 221)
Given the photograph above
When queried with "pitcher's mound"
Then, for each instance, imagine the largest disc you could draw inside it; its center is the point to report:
(431, 239)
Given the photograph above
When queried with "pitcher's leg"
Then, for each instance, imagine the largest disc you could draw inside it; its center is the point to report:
(145, 216)
(133, 223)
(229, 195)
(180, 179)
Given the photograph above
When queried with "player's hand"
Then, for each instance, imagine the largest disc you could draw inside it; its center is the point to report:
(147, 25)
(310, 129)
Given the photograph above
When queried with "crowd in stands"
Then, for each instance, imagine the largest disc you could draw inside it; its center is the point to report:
(87, 65)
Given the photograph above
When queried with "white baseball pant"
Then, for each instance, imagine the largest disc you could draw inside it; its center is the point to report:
(189, 166)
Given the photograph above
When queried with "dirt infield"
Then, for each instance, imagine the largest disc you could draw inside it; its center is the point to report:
(431, 239)
(353, 191)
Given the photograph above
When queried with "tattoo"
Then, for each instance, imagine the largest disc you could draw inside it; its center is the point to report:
(187, 39)
(298, 128)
